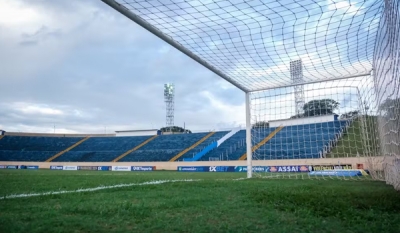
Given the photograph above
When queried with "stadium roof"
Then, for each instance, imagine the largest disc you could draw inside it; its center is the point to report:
(251, 43)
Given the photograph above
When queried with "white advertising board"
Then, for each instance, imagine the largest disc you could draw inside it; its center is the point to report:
(121, 168)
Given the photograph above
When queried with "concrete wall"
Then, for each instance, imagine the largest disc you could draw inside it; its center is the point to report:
(301, 121)
(136, 133)
(56, 134)
(174, 165)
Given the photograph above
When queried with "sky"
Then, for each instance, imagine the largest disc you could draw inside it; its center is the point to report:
(81, 67)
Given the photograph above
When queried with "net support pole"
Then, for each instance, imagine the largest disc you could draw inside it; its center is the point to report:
(248, 137)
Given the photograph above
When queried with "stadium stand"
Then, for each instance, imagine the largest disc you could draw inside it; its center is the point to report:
(134, 149)
(262, 142)
(101, 149)
(294, 142)
(173, 159)
(66, 150)
(298, 141)
(215, 137)
(37, 149)
(228, 147)
(164, 147)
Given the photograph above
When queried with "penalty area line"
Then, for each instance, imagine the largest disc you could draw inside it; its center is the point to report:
(93, 189)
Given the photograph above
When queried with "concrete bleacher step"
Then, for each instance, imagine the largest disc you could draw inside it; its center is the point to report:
(66, 150)
(191, 147)
(265, 140)
(134, 149)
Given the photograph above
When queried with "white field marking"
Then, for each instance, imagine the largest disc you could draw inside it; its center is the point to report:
(241, 178)
(93, 189)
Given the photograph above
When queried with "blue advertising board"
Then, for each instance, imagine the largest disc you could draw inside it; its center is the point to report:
(3, 166)
(56, 167)
(103, 168)
(206, 168)
(255, 169)
(336, 173)
(302, 168)
(221, 168)
(31, 167)
(193, 169)
(143, 168)
(12, 166)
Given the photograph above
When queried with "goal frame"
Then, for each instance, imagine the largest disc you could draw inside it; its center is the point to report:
(388, 12)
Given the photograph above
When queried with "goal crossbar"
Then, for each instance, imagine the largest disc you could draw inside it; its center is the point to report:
(137, 19)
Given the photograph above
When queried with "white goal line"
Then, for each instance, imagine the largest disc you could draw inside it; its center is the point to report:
(12, 196)
(93, 189)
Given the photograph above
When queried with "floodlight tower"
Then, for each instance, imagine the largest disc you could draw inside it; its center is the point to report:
(296, 73)
(169, 93)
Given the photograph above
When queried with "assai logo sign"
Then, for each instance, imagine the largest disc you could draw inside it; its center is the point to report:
(289, 168)
(121, 168)
(56, 167)
(70, 168)
(143, 168)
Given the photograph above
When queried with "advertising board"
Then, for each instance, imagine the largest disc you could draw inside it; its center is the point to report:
(91, 168)
(336, 173)
(193, 169)
(302, 168)
(255, 168)
(32, 167)
(3, 166)
(121, 168)
(12, 166)
(143, 168)
(103, 168)
(70, 168)
(221, 169)
(56, 167)
(331, 167)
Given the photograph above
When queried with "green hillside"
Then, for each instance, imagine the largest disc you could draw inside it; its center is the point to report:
(352, 143)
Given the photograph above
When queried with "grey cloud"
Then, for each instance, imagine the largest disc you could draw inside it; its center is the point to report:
(108, 69)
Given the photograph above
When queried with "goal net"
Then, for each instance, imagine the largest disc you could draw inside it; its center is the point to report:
(321, 77)
(319, 131)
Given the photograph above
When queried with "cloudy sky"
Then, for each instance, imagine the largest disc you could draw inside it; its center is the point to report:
(85, 68)
(82, 67)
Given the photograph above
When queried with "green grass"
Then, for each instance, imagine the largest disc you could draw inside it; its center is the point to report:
(352, 143)
(216, 203)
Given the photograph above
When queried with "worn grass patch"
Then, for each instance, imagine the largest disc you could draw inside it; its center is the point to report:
(217, 203)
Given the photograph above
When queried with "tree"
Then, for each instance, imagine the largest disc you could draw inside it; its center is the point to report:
(261, 124)
(175, 129)
(297, 116)
(350, 114)
(320, 107)
(390, 108)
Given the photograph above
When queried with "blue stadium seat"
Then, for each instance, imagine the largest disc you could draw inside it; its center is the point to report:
(38, 149)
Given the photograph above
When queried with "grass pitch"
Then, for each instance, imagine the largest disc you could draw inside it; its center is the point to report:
(215, 203)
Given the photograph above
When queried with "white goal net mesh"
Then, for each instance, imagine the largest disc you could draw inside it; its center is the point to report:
(287, 54)
(327, 126)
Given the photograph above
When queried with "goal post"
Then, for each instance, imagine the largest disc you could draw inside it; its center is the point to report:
(300, 63)
(248, 137)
